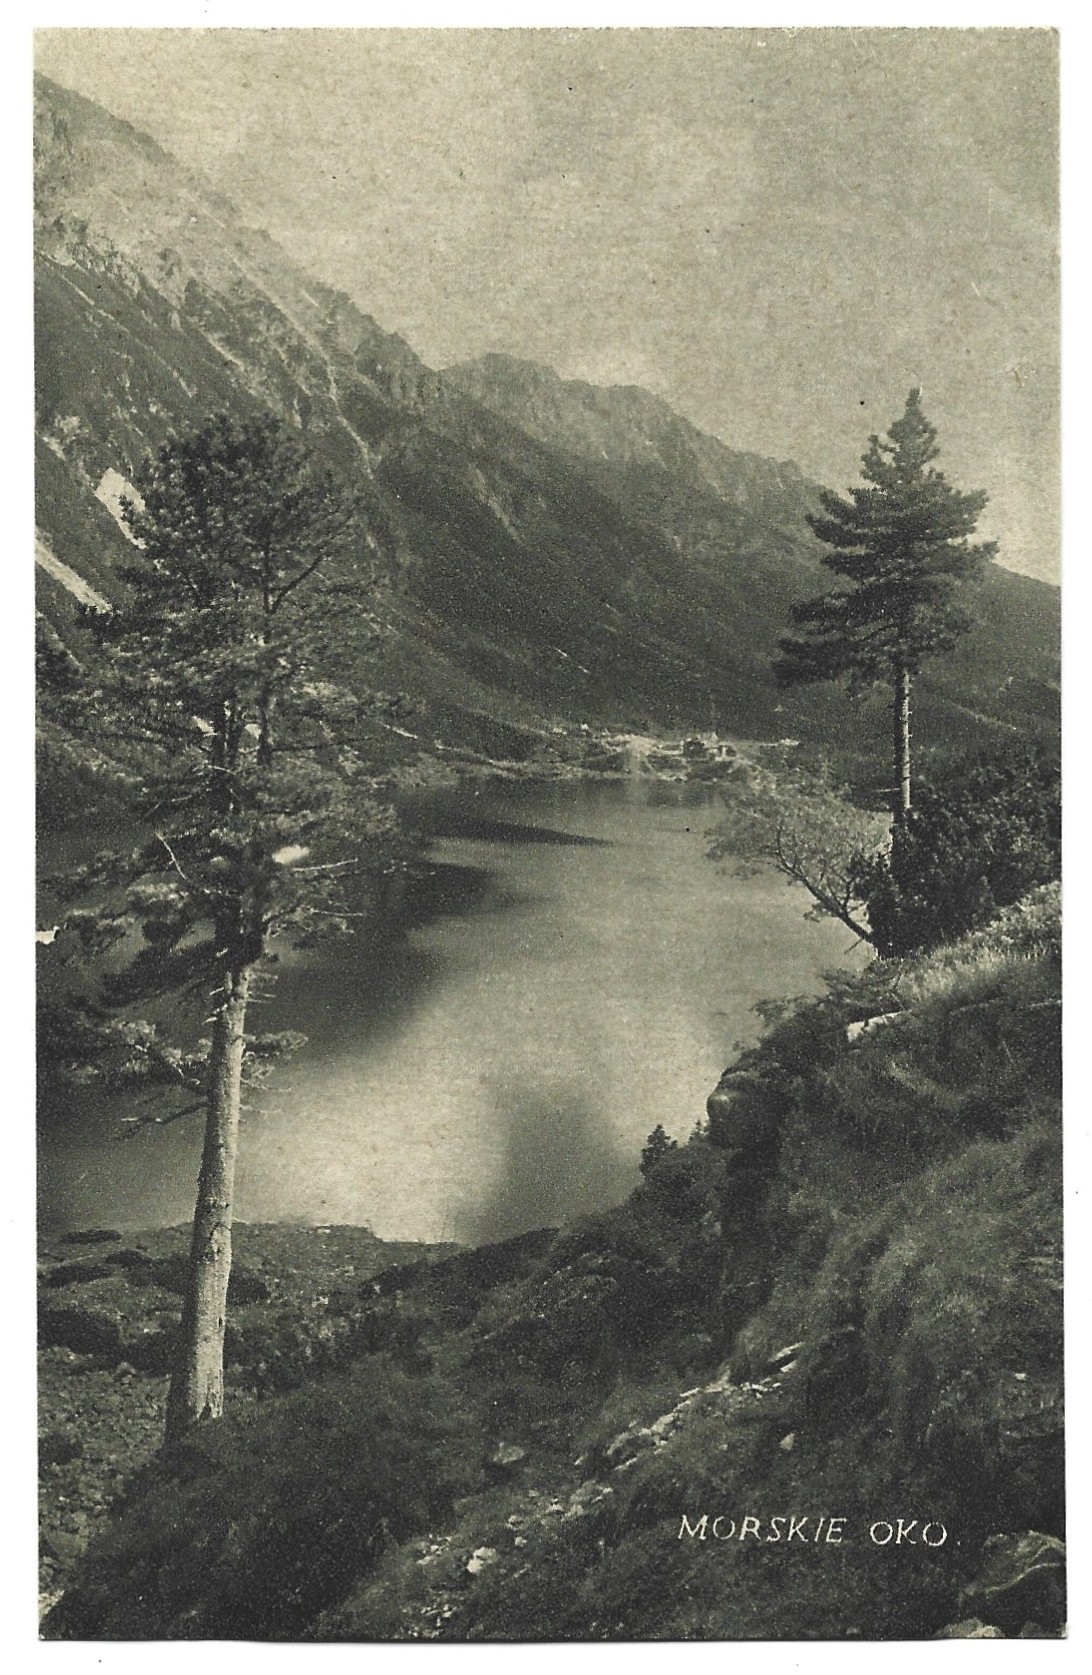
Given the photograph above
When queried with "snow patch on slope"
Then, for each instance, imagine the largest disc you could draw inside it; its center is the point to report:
(112, 487)
(68, 578)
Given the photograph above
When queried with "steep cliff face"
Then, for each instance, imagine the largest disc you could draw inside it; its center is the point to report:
(626, 426)
(564, 550)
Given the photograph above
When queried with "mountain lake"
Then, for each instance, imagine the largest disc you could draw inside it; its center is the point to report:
(574, 971)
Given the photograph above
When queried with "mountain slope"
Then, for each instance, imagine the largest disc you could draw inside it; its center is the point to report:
(741, 517)
(565, 552)
(628, 429)
(840, 1299)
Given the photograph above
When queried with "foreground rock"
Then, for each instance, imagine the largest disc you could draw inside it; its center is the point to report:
(1021, 1585)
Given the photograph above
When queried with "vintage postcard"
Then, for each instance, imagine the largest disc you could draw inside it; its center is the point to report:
(548, 950)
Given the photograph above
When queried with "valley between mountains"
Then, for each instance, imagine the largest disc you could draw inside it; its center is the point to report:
(562, 553)
(829, 1285)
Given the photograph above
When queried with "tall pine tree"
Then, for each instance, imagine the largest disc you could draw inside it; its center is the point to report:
(901, 543)
(230, 688)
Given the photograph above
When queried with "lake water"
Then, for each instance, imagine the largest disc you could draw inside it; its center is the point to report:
(579, 973)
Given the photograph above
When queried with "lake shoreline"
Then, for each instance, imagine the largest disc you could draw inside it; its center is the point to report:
(566, 970)
(583, 753)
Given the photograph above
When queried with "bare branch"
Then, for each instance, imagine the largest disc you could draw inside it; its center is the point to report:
(174, 858)
(135, 1124)
(330, 866)
(290, 587)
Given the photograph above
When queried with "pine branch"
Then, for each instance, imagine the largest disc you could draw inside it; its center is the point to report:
(150, 1120)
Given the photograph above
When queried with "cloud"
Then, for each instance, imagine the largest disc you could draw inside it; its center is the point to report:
(769, 228)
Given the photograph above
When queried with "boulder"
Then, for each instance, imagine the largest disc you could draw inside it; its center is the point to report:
(738, 1117)
(1021, 1581)
(865, 1026)
(506, 1455)
(588, 1493)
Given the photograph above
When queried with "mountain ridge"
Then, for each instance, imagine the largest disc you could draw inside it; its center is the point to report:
(565, 552)
(539, 399)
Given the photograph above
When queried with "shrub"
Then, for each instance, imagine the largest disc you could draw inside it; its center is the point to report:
(254, 1525)
(978, 840)
(681, 1185)
(87, 1331)
(612, 1291)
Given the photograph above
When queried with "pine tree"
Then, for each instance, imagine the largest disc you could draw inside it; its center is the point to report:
(227, 687)
(901, 542)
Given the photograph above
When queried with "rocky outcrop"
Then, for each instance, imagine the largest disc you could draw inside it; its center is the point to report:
(1021, 1585)
(737, 1119)
(970, 1629)
(629, 427)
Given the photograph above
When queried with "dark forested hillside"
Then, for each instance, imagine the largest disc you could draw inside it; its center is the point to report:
(565, 552)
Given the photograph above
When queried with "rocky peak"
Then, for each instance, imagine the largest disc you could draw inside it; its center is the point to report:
(621, 425)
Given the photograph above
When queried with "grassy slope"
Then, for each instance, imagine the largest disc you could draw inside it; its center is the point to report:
(504, 1441)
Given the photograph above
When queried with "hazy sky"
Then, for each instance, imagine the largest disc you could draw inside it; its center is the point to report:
(779, 231)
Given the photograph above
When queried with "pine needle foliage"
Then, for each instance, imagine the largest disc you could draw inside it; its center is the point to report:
(229, 681)
(901, 544)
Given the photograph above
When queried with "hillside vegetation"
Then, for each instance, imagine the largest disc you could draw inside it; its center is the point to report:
(841, 1299)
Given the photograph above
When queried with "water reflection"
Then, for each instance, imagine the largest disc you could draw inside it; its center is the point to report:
(485, 828)
(574, 972)
(552, 1160)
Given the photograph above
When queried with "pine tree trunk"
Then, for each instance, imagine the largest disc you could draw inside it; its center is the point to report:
(902, 744)
(197, 1385)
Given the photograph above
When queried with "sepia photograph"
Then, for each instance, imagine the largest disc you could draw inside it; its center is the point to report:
(548, 834)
